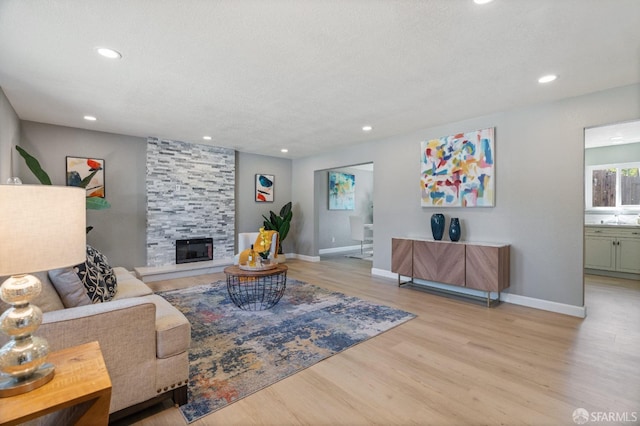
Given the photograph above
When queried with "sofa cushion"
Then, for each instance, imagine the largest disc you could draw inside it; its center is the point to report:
(128, 285)
(69, 287)
(173, 331)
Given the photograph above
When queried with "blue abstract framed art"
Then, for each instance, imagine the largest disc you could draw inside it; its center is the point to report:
(342, 191)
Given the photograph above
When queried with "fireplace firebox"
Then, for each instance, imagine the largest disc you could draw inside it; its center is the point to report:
(194, 250)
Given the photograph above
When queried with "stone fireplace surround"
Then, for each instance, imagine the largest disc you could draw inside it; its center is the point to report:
(190, 193)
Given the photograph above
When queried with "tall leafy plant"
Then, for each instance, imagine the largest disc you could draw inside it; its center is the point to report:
(34, 166)
(280, 223)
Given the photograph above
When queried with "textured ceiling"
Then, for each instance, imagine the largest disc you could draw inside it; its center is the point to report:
(262, 75)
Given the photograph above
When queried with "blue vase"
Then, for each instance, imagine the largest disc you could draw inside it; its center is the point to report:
(437, 225)
(454, 229)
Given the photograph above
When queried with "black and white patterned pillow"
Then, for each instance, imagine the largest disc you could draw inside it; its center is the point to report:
(94, 280)
(108, 276)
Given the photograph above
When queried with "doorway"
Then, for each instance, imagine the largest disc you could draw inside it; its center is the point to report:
(612, 207)
(333, 236)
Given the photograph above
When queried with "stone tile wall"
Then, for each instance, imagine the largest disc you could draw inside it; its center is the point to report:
(190, 194)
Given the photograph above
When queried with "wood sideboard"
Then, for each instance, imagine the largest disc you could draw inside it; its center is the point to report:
(477, 266)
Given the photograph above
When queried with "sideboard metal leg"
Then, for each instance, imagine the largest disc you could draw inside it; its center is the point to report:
(400, 283)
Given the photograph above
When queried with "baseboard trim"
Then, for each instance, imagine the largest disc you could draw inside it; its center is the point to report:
(384, 273)
(343, 249)
(303, 257)
(545, 305)
(530, 302)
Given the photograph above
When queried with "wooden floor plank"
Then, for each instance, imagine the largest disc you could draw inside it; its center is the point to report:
(457, 363)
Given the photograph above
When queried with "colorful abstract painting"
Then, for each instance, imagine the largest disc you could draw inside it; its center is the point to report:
(264, 188)
(80, 170)
(342, 191)
(458, 170)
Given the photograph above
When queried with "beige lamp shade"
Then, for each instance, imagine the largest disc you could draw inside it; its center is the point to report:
(42, 227)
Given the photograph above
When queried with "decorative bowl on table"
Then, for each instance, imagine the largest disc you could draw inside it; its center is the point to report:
(263, 267)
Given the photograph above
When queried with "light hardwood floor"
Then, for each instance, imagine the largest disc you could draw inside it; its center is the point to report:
(457, 363)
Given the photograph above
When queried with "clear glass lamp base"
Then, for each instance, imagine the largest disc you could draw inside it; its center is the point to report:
(11, 386)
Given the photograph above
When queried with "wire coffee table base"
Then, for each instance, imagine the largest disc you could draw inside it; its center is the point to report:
(256, 290)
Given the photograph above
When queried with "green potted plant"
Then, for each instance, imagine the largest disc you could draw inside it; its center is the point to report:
(280, 223)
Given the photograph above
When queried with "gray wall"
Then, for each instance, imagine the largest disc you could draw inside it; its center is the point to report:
(119, 231)
(248, 211)
(539, 190)
(334, 224)
(9, 136)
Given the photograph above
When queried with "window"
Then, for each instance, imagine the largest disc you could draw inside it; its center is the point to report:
(630, 186)
(613, 186)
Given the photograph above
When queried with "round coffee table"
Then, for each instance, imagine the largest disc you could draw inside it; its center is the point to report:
(256, 290)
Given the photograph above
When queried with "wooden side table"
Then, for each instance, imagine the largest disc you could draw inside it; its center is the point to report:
(80, 378)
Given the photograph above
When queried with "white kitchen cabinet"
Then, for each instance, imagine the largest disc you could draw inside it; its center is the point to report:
(600, 253)
(628, 254)
(613, 248)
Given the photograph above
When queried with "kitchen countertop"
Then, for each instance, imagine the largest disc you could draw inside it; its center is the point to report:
(612, 225)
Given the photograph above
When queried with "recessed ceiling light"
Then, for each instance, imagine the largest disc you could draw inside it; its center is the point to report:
(90, 118)
(615, 138)
(284, 150)
(482, 1)
(367, 128)
(108, 53)
(206, 138)
(547, 78)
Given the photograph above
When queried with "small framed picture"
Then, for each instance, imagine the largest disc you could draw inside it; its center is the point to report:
(264, 188)
(87, 173)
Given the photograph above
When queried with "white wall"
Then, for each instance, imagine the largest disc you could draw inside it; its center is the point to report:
(9, 137)
(539, 190)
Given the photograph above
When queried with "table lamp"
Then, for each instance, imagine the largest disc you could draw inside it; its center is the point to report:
(42, 227)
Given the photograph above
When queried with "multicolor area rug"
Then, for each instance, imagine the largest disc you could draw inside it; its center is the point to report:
(235, 353)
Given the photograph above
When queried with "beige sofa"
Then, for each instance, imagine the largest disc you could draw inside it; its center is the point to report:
(144, 340)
